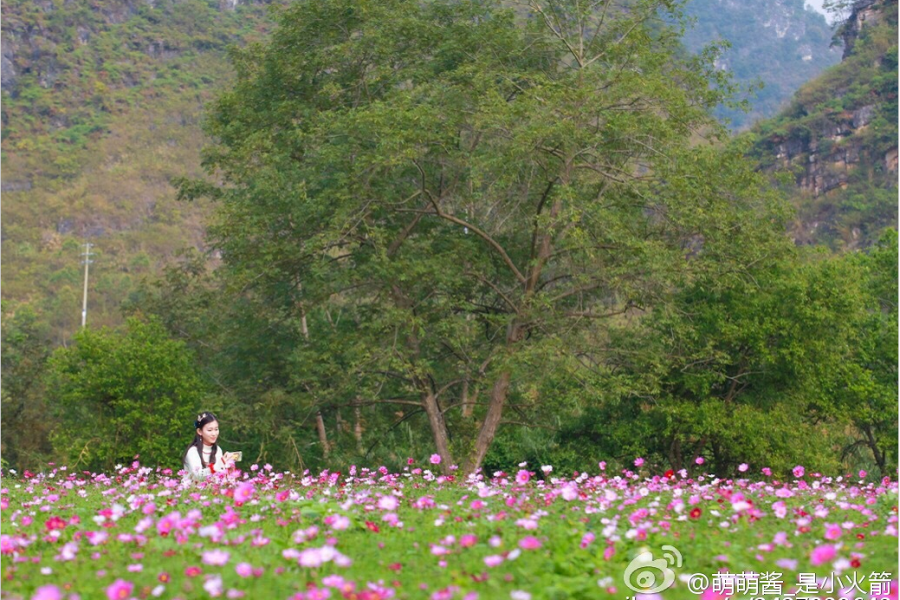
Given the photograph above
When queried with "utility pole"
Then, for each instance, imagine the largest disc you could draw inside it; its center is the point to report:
(87, 261)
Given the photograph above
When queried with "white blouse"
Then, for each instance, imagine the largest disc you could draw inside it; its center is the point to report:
(195, 469)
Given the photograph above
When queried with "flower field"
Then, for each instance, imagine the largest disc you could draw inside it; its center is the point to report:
(374, 534)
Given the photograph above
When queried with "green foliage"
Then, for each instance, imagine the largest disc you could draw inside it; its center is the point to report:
(458, 202)
(26, 418)
(121, 394)
(102, 112)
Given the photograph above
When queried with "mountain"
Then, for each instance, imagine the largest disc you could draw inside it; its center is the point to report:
(778, 43)
(102, 105)
(837, 139)
(102, 102)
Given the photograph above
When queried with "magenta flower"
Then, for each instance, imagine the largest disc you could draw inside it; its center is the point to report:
(529, 543)
(799, 471)
(638, 461)
(602, 465)
(435, 459)
(468, 540)
(587, 539)
(699, 460)
(832, 531)
(119, 590)
(243, 492)
(47, 592)
(767, 471)
(522, 477)
(822, 554)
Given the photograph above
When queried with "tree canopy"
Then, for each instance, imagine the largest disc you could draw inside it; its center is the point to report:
(454, 200)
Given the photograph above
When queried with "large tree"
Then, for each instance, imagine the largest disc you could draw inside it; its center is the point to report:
(455, 199)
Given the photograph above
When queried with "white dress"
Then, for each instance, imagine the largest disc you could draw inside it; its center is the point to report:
(195, 469)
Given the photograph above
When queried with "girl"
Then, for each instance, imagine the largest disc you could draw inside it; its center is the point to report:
(203, 457)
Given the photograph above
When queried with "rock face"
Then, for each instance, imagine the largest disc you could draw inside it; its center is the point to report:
(838, 137)
(777, 42)
(864, 12)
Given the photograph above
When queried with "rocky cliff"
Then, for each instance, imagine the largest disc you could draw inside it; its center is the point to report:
(838, 137)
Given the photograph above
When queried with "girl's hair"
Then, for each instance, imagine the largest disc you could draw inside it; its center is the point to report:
(203, 419)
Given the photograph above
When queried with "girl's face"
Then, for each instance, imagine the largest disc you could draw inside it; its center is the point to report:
(209, 433)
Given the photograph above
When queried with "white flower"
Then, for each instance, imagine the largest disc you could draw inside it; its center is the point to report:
(519, 595)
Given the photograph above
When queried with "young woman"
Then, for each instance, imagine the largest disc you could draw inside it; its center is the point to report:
(203, 457)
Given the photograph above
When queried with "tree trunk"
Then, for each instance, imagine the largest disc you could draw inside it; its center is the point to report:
(876, 451)
(439, 430)
(323, 436)
(466, 406)
(357, 426)
(491, 422)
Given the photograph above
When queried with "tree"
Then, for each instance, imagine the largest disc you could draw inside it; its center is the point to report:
(25, 415)
(773, 370)
(477, 192)
(121, 394)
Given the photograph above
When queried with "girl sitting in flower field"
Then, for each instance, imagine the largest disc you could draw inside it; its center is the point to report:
(203, 456)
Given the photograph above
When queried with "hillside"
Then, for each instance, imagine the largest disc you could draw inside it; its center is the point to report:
(778, 43)
(837, 138)
(102, 103)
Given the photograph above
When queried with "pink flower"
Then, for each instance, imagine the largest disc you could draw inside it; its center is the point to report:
(216, 557)
(743, 467)
(638, 461)
(493, 560)
(468, 540)
(587, 539)
(822, 554)
(602, 465)
(244, 569)
(435, 459)
(529, 543)
(119, 590)
(388, 503)
(699, 460)
(799, 471)
(522, 477)
(47, 592)
(609, 552)
(214, 586)
(243, 492)
(711, 594)
(832, 531)
(862, 474)
(767, 471)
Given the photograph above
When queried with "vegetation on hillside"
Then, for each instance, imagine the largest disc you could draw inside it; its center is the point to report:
(101, 111)
(838, 138)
